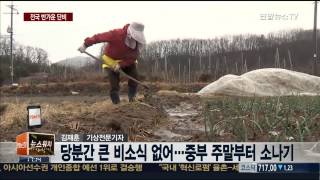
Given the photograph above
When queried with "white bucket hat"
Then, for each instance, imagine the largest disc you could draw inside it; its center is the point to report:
(135, 29)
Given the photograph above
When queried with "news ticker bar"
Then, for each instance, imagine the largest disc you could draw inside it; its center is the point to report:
(185, 152)
(162, 167)
(164, 152)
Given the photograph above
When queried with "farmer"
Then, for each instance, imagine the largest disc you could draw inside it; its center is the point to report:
(121, 52)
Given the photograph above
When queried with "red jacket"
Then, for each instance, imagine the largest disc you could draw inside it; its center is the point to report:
(116, 48)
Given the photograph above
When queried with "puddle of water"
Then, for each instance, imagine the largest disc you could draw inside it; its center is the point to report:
(184, 122)
(182, 114)
(166, 135)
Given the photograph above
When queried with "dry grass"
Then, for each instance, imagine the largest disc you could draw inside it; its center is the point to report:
(14, 116)
(134, 119)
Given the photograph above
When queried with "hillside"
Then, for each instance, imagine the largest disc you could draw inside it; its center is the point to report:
(76, 62)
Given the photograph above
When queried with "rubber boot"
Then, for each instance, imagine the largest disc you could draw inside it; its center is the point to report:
(115, 98)
(132, 91)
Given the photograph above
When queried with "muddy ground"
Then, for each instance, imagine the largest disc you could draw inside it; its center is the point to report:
(88, 88)
(163, 116)
(166, 113)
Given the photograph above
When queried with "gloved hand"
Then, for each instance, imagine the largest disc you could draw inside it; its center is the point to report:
(116, 67)
(82, 48)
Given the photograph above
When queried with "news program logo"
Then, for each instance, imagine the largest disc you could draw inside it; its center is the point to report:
(35, 144)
